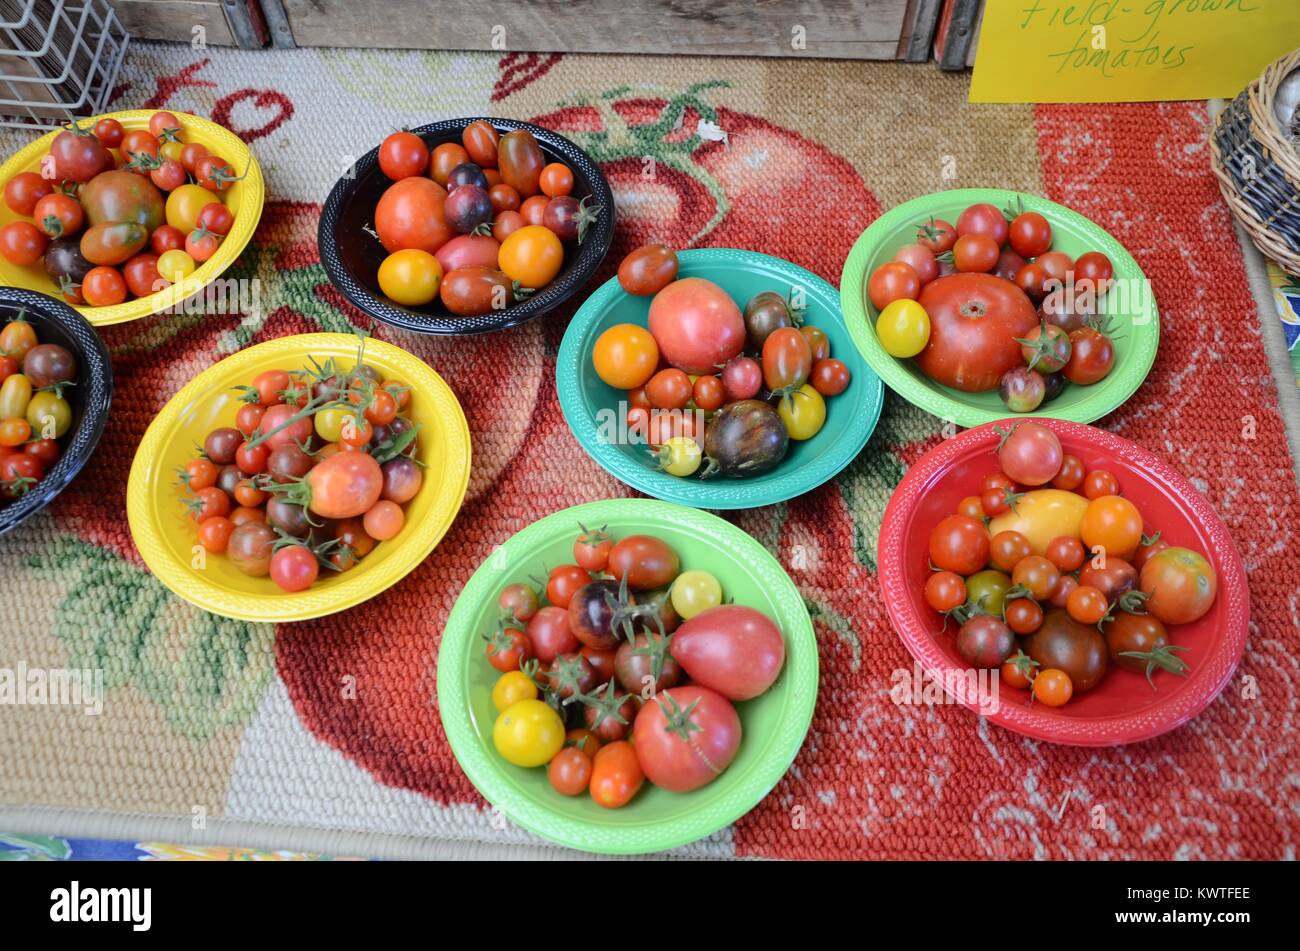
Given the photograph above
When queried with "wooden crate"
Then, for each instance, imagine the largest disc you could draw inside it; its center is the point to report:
(215, 22)
(847, 29)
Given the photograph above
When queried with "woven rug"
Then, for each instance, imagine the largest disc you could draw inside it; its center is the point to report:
(226, 732)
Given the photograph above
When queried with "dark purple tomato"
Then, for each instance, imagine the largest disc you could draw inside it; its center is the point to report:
(47, 364)
(593, 611)
(745, 438)
(1054, 385)
(288, 462)
(467, 173)
(228, 479)
(766, 311)
(222, 444)
(562, 217)
(288, 517)
(468, 207)
(402, 479)
(1064, 643)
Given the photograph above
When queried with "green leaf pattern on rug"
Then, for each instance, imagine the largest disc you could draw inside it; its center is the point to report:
(662, 140)
(294, 288)
(33, 848)
(203, 671)
(400, 80)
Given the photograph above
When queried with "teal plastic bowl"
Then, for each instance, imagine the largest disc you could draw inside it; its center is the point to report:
(850, 417)
(1136, 333)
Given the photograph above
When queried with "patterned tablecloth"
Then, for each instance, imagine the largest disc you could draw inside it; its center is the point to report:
(225, 731)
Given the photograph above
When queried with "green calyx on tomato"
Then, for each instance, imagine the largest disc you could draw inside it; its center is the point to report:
(1163, 657)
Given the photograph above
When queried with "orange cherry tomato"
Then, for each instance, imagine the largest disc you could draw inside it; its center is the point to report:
(534, 209)
(625, 356)
(532, 256)
(214, 533)
(1086, 604)
(1053, 688)
(556, 179)
(616, 775)
(1114, 523)
(444, 158)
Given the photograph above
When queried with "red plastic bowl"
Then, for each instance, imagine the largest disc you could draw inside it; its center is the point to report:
(1122, 708)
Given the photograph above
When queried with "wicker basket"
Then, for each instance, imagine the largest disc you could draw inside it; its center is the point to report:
(1259, 169)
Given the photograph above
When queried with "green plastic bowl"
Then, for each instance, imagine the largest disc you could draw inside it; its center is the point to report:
(774, 724)
(850, 417)
(1137, 330)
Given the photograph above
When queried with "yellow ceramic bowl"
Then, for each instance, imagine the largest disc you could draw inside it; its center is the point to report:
(165, 535)
(244, 198)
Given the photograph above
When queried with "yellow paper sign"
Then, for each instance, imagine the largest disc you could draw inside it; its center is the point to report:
(1128, 50)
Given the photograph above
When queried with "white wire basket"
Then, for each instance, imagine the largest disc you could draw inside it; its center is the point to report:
(59, 60)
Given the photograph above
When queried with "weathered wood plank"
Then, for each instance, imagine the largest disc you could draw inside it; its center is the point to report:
(175, 20)
(849, 29)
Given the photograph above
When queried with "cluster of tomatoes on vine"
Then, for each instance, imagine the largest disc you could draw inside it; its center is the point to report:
(102, 226)
(988, 304)
(34, 413)
(478, 224)
(625, 668)
(1052, 577)
(312, 475)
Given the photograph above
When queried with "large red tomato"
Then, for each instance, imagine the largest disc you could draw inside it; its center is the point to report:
(697, 325)
(685, 737)
(974, 322)
(410, 215)
(733, 649)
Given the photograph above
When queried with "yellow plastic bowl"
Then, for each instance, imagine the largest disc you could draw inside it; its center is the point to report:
(244, 198)
(166, 536)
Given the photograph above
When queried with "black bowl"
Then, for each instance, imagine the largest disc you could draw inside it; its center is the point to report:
(352, 254)
(56, 322)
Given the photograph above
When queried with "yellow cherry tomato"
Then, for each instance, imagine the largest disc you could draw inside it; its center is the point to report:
(625, 356)
(171, 149)
(50, 415)
(175, 265)
(532, 256)
(803, 412)
(15, 394)
(904, 328)
(329, 423)
(680, 456)
(511, 687)
(1042, 515)
(411, 277)
(528, 733)
(695, 592)
(184, 205)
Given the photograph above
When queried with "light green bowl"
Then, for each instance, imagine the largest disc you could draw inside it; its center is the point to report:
(774, 724)
(1137, 330)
